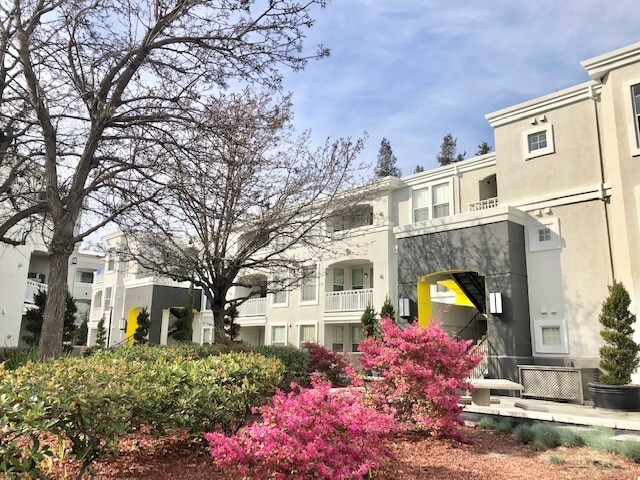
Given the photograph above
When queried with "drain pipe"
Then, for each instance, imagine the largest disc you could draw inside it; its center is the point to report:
(605, 201)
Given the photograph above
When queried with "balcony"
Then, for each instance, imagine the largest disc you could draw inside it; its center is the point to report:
(483, 204)
(348, 300)
(253, 307)
(32, 288)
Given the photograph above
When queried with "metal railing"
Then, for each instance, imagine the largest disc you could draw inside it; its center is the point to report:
(33, 287)
(483, 204)
(348, 300)
(253, 307)
(481, 369)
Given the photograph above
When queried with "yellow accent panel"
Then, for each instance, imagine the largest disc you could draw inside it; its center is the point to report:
(461, 298)
(132, 324)
(424, 303)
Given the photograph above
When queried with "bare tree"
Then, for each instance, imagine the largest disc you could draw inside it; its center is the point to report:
(247, 198)
(91, 91)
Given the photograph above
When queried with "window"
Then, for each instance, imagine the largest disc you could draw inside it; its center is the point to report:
(358, 216)
(544, 234)
(551, 336)
(538, 141)
(279, 335)
(111, 260)
(338, 339)
(357, 279)
(207, 335)
(440, 200)
(309, 284)
(307, 334)
(86, 277)
(635, 93)
(281, 297)
(338, 279)
(421, 205)
(356, 337)
(107, 299)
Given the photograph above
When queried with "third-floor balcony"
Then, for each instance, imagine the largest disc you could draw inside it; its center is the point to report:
(483, 204)
(348, 300)
(253, 307)
(33, 287)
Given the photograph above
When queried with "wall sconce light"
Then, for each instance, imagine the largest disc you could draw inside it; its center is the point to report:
(495, 302)
(123, 324)
(366, 275)
(74, 260)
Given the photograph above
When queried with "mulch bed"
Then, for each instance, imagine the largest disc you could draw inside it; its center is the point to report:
(492, 456)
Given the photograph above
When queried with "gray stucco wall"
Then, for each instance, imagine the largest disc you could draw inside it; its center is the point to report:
(495, 251)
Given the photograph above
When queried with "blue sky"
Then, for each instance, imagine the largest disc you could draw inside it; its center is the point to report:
(414, 70)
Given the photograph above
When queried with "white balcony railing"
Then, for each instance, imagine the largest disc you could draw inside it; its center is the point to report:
(253, 307)
(32, 288)
(348, 300)
(483, 204)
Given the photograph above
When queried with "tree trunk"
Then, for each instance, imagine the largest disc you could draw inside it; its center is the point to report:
(53, 323)
(218, 308)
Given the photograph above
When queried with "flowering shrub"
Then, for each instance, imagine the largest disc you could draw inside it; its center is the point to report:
(331, 366)
(308, 433)
(422, 369)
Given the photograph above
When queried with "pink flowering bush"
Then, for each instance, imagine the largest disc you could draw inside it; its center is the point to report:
(422, 370)
(331, 366)
(308, 433)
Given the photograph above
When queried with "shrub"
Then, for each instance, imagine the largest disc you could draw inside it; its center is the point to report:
(486, 423)
(545, 436)
(308, 433)
(296, 361)
(101, 335)
(571, 438)
(600, 439)
(619, 356)
(387, 309)
(523, 434)
(555, 459)
(422, 372)
(14, 357)
(370, 323)
(140, 336)
(504, 426)
(329, 365)
(630, 450)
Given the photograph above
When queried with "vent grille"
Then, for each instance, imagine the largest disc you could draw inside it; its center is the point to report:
(557, 383)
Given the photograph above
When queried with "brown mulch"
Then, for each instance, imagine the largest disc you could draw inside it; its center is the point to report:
(492, 456)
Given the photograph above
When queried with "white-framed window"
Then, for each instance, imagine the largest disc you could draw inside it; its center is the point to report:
(309, 289)
(441, 199)
(281, 297)
(356, 337)
(338, 338)
(545, 235)
(632, 89)
(421, 205)
(279, 335)
(441, 294)
(111, 260)
(357, 278)
(538, 141)
(635, 101)
(207, 334)
(551, 335)
(338, 279)
(107, 298)
(307, 333)
(86, 277)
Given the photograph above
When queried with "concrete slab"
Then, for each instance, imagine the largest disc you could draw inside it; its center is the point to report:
(626, 438)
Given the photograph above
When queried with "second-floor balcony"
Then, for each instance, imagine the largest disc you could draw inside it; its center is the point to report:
(32, 288)
(483, 204)
(253, 307)
(348, 300)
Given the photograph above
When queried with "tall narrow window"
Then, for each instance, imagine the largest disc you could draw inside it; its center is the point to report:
(356, 337)
(338, 338)
(307, 334)
(441, 200)
(635, 92)
(357, 279)
(338, 279)
(309, 284)
(107, 299)
(111, 261)
(280, 297)
(278, 335)
(421, 205)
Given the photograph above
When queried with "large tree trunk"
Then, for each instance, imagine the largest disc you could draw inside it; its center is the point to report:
(53, 322)
(218, 308)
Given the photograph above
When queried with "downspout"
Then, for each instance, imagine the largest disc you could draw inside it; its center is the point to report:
(605, 201)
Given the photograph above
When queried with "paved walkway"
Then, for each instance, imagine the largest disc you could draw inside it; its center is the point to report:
(565, 413)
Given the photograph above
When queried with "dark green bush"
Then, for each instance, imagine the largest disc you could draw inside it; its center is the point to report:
(295, 361)
(571, 438)
(523, 434)
(504, 426)
(486, 423)
(14, 357)
(545, 436)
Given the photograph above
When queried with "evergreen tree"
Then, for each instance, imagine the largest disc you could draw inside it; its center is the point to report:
(619, 356)
(386, 161)
(183, 327)
(83, 331)
(483, 148)
(370, 323)
(449, 151)
(140, 336)
(419, 169)
(387, 309)
(231, 328)
(101, 337)
(35, 316)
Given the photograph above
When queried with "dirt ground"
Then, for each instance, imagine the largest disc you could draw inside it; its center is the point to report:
(493, 456)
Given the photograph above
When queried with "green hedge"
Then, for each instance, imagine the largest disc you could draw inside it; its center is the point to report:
(295, 360)
(93, 401)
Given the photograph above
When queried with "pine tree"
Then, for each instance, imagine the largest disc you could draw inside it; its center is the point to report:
(231, 329)
(483, 148)
(419, 169)
(83, 331)
(449, 151)
(101, 337)
(387, 309)
(370, 323)
(386, 161)
(183, 327)
(619, 356)
(140, 336)
(35, 316)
